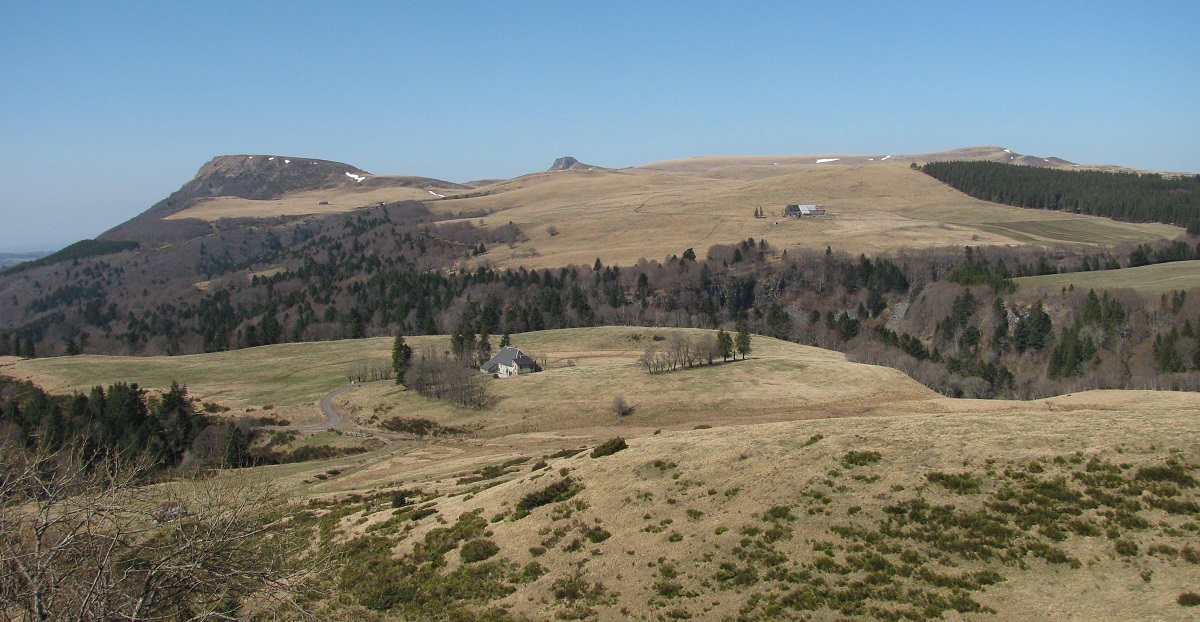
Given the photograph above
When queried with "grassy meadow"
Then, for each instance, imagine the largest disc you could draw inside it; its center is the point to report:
(1155, 279)
(792, 485)
(660, 209)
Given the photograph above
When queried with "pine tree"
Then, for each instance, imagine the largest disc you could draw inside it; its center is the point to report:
(235, 449)
(484, 350)
(505, 340)
(743, 339)
(725, 343)
(401, 357)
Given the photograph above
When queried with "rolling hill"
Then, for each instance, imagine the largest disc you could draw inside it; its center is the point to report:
(791, 484)
(576, 212)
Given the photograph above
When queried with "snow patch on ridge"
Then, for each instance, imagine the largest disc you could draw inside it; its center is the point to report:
(442, 196)
(824, 160)
(357, 178)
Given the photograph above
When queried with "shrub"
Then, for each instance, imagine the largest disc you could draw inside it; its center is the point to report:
(561, 490)
(860, 458)
(478, 550)
(609, 447)
(1172, 471)
(1127, 548)
(1188, 599)
(620, 407)
(962, 483)
(597, 535)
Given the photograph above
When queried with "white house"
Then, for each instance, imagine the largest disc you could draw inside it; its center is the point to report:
(510, 361)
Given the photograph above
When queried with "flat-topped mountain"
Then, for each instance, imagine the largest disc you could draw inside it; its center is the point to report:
(250, 180)
(571, 164)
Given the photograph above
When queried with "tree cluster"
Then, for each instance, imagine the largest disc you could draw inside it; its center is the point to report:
(442, 376)
(1131, 197)
(369, 370)
(682, 352)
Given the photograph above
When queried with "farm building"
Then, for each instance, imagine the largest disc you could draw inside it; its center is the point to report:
(800, 211)
(510, 361)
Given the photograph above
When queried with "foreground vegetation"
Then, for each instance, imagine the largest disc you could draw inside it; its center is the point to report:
(824, 519)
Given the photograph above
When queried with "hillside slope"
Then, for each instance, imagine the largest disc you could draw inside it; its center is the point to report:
(824, 489)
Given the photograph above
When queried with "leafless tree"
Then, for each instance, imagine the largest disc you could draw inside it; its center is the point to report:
(442, 377)
(92, 541)
(367, 370)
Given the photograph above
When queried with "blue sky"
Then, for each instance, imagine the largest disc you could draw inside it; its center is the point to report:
(110, 106)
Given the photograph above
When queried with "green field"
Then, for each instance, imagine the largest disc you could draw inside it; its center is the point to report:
(279, 375)
(1075, 230)
(1156, 279)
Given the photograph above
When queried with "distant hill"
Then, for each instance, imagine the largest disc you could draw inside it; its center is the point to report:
(12, 259)
(571, 164)
(244, 176)
(260, 178)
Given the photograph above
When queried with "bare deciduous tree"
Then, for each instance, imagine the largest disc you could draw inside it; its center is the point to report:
(83, 541)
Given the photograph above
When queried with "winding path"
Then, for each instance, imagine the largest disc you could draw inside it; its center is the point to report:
(332, 418)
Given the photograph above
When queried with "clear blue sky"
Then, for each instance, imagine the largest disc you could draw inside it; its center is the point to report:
(107, 107)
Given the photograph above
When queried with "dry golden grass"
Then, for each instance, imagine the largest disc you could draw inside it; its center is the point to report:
(690, 510)
(716, 482)
(662, 208)
(339, 200)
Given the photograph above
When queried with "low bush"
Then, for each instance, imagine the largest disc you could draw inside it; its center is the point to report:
(561, 490)
(962, 483)
(477, 550)
(860, 458)
(609, 447)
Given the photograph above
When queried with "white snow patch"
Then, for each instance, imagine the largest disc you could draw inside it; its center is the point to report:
(271, 158)
(870, 159)
(824, 160)
(437, 195)
(1008, 151)
(1045, 160)
(287, 161)
(357, 178)
(887, 157)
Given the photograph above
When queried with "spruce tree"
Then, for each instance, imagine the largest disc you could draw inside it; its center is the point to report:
(401, 357)
(235, 449)
(725, 343)
(743, 338)
(484, 350)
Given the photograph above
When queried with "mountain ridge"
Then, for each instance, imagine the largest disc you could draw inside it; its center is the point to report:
(263, 178)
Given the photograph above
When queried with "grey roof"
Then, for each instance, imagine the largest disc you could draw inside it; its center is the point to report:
(508, 355)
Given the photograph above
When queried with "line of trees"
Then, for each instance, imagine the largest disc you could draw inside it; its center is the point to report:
(680, 351)
(367, 370)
